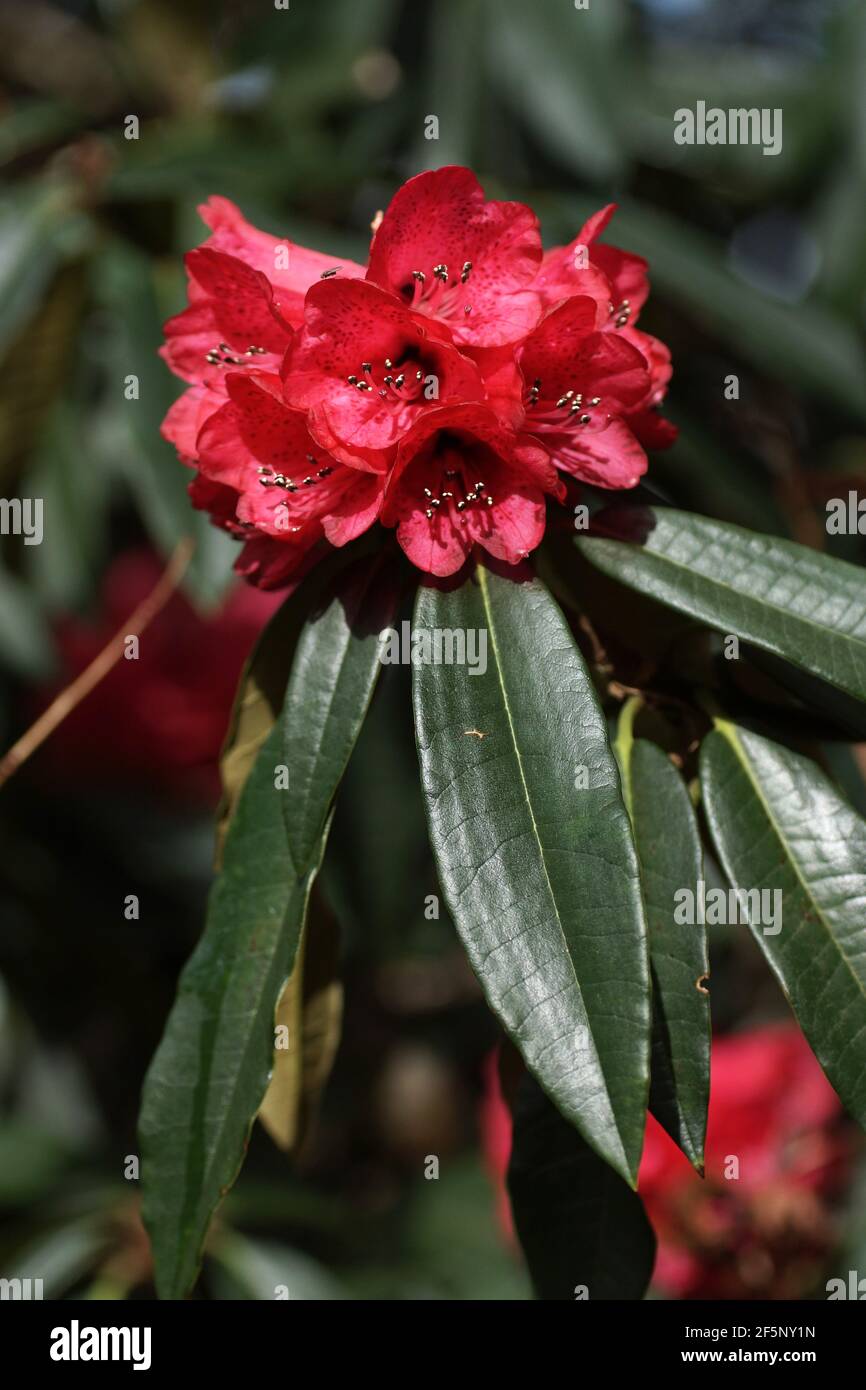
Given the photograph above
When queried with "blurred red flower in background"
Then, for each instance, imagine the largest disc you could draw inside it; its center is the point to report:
(760, 1224)
(160, 719)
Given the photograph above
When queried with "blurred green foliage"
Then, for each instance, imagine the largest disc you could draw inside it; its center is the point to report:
(309, 117)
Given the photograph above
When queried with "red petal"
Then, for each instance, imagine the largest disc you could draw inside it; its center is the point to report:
(564, 353)
(243, 300)
(273, 564)
(652, 430)
(196, 332)
(356, 511)
(185, 418)
(517, 525)
(610, 276)
(252, 429)
(609, 458)
(234, 235)
(514, 476)
(443, 218)
(220, 501)
(441, 550)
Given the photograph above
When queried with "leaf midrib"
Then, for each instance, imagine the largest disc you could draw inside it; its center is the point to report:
(729, 731)
(626, 747)
(482, 581)
(664, 559)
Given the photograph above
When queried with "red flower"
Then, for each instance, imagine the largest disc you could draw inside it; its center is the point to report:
(617, 283)
(440, 394)
(759, 1224)
(466, 262)
(461, 478)
(286, 486)
(365, 367)
(162, 718)
(582, 383)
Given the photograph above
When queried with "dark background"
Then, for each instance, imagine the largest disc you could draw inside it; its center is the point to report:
(309, 118)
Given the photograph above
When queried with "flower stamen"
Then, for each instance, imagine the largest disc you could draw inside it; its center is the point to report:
(223, 356)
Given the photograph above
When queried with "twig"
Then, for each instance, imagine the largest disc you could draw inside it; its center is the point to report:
(90, 677)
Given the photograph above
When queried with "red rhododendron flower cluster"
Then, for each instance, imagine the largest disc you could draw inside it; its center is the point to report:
(160, 720)
(759, 1224)
(444, 390)
(762, 1228)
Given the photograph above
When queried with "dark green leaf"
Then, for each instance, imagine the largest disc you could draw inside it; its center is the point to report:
(64, 572)
(583, 1231)
(778, 823)
(212, 1067)
(40, 228)
(62, 1256)
(535, 852)
(378, 858)
(669, 851)
(26, 644)
(834, 705)
(262, 685)
(257, 1269)
(571, 108)
(453, 44)
(785, 598)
